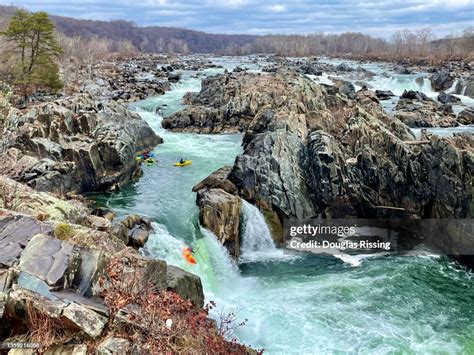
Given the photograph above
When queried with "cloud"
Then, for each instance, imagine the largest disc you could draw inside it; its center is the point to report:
(375, 17)
(277, 8)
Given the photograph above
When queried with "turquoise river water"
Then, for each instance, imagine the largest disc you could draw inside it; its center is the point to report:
(294, 303)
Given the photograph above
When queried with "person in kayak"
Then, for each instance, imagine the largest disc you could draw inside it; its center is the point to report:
(182, 161)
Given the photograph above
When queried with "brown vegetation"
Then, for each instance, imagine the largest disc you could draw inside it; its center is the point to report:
(147, 310)
(139, 314)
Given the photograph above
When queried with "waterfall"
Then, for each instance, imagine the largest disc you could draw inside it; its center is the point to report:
(214, 264)
(257, 237)
(257, 241)
(452, 89)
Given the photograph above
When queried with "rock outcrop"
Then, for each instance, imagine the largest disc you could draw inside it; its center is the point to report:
(55, 264)
(226, 103)
(313, 152)
(442, 81)
(74, 145)
(466, 116)
(220, 208)
(219, 212)
(415, 109)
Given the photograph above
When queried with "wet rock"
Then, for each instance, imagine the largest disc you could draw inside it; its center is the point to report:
(414, 95)
(185, 284)
(344, 67)
(266, 172)
(139, 237)
(445, 98)
(219, 212)
(469, 88)
(174, 77)
(384, 94)
(441, 81)
(134, 230)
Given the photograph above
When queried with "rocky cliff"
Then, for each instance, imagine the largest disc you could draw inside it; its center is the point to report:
(74, 145)
(312, 150)
(66, 277)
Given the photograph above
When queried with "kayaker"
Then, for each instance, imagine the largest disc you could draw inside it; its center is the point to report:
(181, 161)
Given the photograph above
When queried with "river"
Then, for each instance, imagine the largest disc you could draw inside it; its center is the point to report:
(293, 303)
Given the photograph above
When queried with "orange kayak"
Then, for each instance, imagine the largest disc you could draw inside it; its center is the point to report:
(188, 255)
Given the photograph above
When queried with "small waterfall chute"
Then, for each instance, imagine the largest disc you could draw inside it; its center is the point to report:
(257, 241)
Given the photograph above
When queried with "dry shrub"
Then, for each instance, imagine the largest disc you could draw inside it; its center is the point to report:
(138, 313)
(45, 330)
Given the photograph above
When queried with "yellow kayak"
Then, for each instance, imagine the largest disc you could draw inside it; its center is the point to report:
(186, 162)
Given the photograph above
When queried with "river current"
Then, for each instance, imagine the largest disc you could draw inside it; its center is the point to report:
(295, 303)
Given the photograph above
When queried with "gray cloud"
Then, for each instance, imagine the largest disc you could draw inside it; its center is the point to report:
(376, 17)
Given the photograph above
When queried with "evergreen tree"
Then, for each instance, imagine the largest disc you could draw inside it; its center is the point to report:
(35, 49)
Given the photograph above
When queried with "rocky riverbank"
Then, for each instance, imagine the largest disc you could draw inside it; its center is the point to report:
(136, 78)
(319, 151)
(71, 277)
(54, 264)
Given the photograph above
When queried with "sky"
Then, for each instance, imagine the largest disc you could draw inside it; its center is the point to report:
(375, 17)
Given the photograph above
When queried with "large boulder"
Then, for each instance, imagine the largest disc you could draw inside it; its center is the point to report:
(15, 232)
(75, 145)
(74, 316)
(219, 212)
(466, 116)
(134, 230)
(219, 179)
(187, 285)
(51, 260)
(441, 81)
(445, 98)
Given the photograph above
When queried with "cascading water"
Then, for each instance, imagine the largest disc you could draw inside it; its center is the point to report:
(257, 241)
(310, 304)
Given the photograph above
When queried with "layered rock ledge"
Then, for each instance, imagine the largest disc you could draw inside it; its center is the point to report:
(74, 145)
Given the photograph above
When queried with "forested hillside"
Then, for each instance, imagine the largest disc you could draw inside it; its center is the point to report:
(125, 36)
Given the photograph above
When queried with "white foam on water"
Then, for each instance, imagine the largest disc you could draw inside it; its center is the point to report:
(312, 305)
(257, 241)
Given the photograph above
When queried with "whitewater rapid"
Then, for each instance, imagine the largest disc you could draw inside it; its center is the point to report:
(294, 304)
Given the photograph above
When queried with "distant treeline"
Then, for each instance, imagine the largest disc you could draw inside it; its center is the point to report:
(96, 38)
